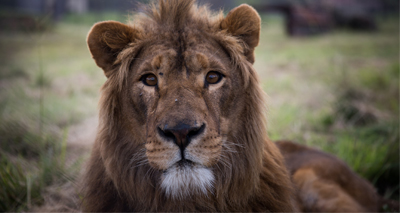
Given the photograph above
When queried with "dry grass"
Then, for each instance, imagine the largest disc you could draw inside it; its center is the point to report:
(338, 92)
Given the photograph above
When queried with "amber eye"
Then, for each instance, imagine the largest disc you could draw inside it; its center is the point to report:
(213, 77)
(149, 80)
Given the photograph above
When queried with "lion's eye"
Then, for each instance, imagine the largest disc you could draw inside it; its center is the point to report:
(149, 80)
(213, 77)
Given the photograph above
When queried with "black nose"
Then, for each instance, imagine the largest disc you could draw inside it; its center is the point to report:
(181, 134)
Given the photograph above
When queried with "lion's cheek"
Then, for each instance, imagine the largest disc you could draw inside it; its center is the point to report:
(161, 157)
(204, 155)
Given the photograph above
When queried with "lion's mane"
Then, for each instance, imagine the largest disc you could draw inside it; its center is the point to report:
(252, 176)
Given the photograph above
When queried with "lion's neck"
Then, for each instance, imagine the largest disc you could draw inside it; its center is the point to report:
(256, 180)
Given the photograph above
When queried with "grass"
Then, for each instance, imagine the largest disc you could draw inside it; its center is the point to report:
(29, 165)
(48, 83)
(338, 92)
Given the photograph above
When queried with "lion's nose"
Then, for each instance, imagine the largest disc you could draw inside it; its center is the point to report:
(181, 134)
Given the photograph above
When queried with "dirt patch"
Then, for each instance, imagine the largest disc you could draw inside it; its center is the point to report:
(84, 133)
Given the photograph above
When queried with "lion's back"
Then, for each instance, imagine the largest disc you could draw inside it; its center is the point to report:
(325, 182)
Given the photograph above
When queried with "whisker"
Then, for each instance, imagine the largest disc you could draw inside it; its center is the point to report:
(224, 160)
(139, 158)
(141, 163)
(219, 168)
(149, 174)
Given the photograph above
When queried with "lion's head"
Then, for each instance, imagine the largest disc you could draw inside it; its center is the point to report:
(181, 111)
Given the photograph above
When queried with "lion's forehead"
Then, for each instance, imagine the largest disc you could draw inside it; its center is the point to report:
(187, 50)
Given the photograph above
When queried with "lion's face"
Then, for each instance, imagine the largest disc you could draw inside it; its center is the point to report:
(184, 97)
(179, 92)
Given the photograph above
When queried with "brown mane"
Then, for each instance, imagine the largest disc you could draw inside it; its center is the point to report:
(254, 180)
(182, 123)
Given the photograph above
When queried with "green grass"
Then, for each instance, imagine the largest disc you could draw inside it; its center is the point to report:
(48, 82)
(29, 165)
(338, 92)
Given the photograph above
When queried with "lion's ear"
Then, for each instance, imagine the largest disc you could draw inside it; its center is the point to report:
(106, 40)
(245, 23)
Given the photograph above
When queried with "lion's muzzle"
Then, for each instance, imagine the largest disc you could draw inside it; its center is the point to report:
(181, 134)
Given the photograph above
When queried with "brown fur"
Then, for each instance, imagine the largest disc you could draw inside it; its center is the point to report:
(179, 43)
(326, 184)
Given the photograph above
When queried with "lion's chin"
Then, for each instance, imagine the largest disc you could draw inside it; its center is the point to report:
(183, 180)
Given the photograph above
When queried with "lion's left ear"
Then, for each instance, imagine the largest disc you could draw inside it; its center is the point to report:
(245, 23)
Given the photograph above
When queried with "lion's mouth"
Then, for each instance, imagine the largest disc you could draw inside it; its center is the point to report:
(182, 165)
(185, 163)
(185, 178)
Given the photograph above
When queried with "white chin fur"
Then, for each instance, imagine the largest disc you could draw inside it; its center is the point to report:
(179, 182)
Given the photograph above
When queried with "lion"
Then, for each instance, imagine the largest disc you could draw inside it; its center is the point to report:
(326, 184)
(182, 118)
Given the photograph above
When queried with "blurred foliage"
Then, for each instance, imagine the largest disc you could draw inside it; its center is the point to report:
(338, 92)
(48, 82)
(30, 164)
(91, 18)
(12, 184)
(12, 20)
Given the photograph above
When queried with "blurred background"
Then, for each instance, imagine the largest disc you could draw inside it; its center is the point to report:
(330, 69)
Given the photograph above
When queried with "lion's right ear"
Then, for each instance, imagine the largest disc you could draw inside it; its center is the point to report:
(106, 40)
